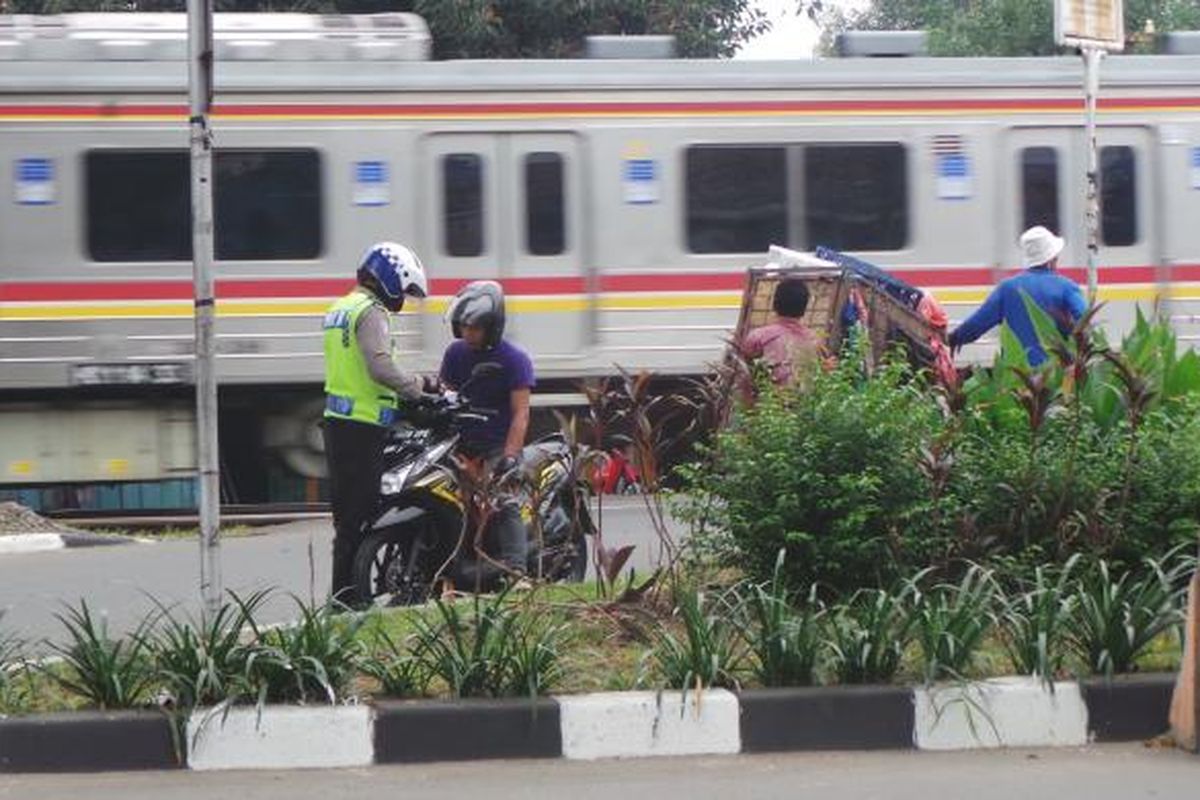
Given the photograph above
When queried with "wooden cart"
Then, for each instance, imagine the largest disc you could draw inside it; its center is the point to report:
(894, 316)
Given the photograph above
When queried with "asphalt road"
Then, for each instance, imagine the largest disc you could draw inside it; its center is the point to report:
(123, 582)
(1109, 772)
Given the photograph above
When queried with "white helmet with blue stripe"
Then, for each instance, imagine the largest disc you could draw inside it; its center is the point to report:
(391, 271)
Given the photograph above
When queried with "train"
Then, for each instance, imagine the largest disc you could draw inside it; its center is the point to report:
(618, 200)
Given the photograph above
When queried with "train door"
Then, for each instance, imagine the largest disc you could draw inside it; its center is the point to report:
(1046, 180)
(508, 206)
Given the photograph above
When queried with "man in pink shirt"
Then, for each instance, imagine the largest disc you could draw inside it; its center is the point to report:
(790, 349)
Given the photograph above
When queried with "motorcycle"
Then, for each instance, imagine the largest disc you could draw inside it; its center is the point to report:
(424, 531)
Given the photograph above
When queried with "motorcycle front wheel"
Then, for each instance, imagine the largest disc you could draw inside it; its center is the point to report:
(391, 566)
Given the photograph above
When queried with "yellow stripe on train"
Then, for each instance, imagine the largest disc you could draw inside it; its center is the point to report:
(528, 304)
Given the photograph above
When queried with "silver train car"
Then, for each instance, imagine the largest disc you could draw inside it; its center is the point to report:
(619, 202)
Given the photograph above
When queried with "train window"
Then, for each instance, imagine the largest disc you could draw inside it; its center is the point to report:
(267, 204)
(1118, 196)
(1039, 188)
(545, 231)
(856, 196)
(736, 198)
(462, 181)
(138, 205)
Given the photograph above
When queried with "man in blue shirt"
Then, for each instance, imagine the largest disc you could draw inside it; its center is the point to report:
(1057, 296)
(477, 320)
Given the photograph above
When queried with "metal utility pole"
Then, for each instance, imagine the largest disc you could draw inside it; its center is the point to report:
(200, 93)
(1094, 26)
(1091, 80)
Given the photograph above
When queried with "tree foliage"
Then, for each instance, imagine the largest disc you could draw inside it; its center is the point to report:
(503, 28)
(994, 27)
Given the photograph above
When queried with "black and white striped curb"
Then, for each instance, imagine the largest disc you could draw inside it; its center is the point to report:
(1008, 712)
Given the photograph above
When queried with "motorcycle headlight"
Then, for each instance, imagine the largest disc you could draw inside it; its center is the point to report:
(393, 482)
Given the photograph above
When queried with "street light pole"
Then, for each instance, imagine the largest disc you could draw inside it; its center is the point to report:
(200, 92)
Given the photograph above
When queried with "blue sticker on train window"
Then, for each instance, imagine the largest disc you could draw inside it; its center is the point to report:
(34, 181)
(640, 181)
(953, 176)
(371, 186)
(1196, 167)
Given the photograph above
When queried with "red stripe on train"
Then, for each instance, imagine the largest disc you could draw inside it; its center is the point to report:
(264, 288)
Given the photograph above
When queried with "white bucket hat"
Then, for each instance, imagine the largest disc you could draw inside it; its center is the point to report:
(1039, 245)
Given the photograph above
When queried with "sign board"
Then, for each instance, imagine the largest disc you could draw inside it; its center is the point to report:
(641, 181)
(34, 181)
(371, 187)
(1090, 23)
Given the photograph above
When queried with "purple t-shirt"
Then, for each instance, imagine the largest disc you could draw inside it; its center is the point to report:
(491, 391)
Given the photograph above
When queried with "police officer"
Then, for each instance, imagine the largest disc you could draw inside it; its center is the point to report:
(363, 387)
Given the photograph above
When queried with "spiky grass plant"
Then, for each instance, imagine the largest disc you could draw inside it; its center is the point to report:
(12, 663)
(1116, 619)
(314, 659)
(711, 652)
(202, 662)
(784, 635)
(951, 620)
(868, 635)
(106, 672)
(1035, 622)
(490, 647)
(395, 665)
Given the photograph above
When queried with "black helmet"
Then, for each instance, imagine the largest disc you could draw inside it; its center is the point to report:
(478, 303)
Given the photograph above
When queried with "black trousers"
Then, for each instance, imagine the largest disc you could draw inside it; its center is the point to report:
(354, 452)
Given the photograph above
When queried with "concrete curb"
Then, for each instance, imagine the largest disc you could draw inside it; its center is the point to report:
(1006, 712)
(826, 718)
(1128, 707)
(409, 731)
(18, 543)
(633, 724)
(89, 741)
(281, 737)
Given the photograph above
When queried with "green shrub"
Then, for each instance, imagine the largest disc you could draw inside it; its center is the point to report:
(829, 476)
(867, 477)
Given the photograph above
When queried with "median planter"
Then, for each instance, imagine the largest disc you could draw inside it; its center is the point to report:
(280, 737)
(1003, 712)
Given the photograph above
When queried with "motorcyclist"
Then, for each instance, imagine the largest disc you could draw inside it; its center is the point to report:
(476, 316)
(363, 392)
